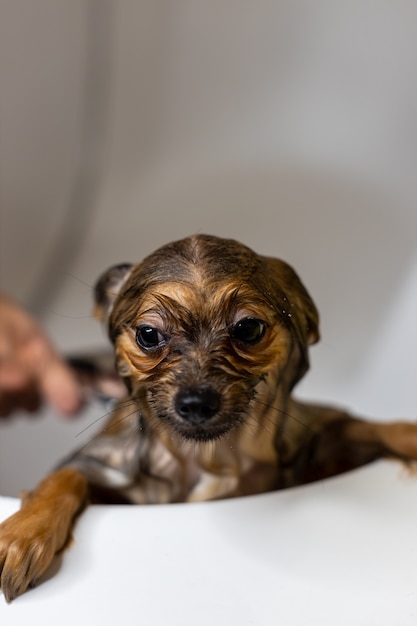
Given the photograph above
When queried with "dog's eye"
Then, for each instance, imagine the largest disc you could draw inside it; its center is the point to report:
(249, 330)
(149, 338)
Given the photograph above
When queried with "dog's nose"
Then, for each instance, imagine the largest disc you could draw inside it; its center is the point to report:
(197, 404)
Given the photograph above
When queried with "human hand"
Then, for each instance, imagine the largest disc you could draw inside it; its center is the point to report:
(31, 371)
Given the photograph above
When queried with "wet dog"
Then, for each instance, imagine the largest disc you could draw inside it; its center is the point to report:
(209, 339)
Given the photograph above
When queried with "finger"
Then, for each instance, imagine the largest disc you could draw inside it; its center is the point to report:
(60, 387)
(13, 377)
(53, 378)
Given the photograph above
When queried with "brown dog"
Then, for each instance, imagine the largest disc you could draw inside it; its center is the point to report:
(210, 339)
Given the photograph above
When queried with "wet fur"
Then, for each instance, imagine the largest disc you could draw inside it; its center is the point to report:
(194, 292)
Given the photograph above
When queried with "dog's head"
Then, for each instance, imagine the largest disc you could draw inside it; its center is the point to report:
(202, 328)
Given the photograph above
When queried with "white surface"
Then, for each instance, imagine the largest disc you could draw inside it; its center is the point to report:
(339, 552)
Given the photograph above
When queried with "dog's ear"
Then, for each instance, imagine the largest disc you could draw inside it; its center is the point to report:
(298, 305)
(108, 288)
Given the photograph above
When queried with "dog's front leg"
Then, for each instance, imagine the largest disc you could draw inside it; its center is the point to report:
(31, 538)
(333, 441)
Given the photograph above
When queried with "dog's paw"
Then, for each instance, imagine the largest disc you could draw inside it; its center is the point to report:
(26, 551)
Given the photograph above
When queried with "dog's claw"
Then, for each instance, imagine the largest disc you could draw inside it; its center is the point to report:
(25, 554)
(9, 590)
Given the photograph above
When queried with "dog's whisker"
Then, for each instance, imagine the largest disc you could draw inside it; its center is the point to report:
(84, 447)
(94, 422)
(114, 424)
(132, 398)
(79, 280)
(285, 414)
(93, 441)
(71, 317)
(122, 404)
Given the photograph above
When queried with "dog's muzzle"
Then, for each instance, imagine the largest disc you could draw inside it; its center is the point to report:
(197, 405)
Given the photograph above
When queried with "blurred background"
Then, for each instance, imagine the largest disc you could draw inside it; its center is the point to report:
(289, 125)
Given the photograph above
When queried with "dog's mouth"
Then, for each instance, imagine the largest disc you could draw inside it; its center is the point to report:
(204, 432)
(200, 413)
